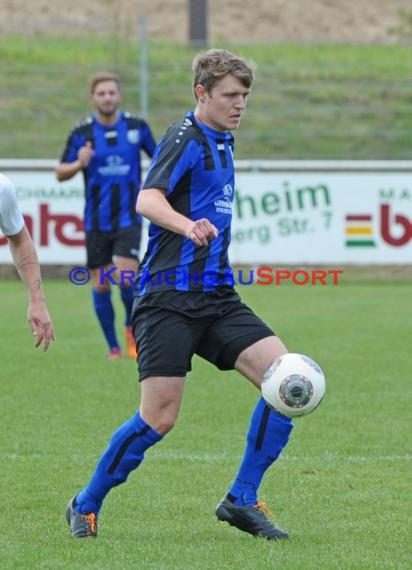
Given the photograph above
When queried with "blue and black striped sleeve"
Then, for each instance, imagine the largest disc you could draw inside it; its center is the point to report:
(174, 156)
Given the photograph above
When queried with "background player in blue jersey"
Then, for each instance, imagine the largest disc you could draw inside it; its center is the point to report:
(186, 304)
(106, 148)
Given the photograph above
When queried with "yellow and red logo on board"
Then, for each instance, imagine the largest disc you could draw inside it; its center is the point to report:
(361, 230)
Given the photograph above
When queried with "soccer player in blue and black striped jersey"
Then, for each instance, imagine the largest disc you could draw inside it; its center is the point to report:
(186, 303)
(106, 147)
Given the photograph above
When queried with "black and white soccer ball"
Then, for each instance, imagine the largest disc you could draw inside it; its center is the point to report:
(294, 385)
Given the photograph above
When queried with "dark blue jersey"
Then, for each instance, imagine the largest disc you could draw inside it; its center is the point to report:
(194, 165)
(112, 178)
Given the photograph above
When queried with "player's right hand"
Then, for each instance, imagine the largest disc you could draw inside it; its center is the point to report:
(85, 154)
(201, 232)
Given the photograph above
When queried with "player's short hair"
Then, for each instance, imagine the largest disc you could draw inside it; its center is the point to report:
(103, 76)
(211, 66)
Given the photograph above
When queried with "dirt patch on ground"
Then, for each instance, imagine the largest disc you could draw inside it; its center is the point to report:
(358, 21)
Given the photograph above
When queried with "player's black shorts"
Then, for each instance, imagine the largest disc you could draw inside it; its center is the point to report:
(171, 326)
(102, 246)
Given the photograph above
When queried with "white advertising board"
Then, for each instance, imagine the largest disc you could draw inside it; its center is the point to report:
(293, 214)
(322, 217)
(53, 212)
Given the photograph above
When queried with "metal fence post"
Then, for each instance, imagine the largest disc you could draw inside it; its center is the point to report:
(144, 74)
(198, 23)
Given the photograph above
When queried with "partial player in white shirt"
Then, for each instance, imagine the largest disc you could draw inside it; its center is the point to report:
(26, 262)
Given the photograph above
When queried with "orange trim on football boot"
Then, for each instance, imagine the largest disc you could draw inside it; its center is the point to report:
(130, 342)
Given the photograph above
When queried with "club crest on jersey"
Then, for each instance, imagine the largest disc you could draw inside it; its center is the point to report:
(133, 136)
(228, 192)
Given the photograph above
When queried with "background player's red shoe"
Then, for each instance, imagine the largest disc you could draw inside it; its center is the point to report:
(114, 354)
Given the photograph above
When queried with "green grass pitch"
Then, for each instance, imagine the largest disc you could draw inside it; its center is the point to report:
(342, 488)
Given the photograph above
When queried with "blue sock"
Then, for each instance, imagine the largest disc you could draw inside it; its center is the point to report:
(127, 298)
(267, 436)
(102, 303)
(124, 454)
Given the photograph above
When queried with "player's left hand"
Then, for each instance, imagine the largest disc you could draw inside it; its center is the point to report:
(41, 325)
(202, 231)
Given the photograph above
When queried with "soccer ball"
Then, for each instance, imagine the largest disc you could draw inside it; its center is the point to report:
(293, 385)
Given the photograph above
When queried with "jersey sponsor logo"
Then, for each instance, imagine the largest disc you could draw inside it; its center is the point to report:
(225, 206)
(114, 166)
(133, 136)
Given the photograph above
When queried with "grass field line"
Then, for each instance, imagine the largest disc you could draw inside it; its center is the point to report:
(216, 457)
(219, 457)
